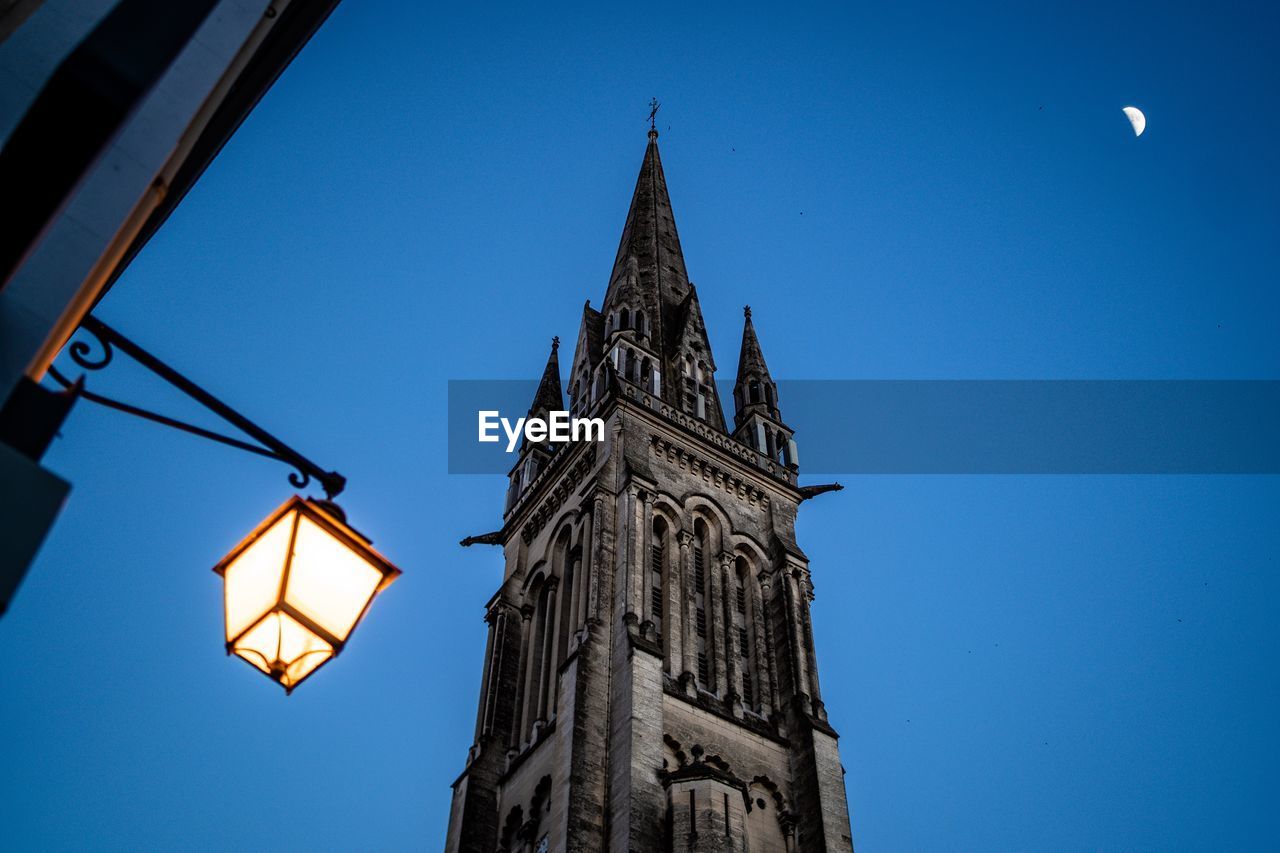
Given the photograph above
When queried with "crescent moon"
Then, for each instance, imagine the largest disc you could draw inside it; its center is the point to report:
(1137, 119)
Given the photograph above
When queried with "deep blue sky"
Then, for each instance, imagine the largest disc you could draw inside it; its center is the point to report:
(901, 191)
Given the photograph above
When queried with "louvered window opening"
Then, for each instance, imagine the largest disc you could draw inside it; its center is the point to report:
(657, 557)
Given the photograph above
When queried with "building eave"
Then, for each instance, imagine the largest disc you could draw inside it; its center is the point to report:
(297, 23)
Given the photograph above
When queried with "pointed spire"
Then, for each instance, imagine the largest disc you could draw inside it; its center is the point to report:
(586, 352)
(649, 271)
(690, 331)
(754, 391)
(549, 397)
(649, 276)
(689, 340)
(750, 357)
(590, 335)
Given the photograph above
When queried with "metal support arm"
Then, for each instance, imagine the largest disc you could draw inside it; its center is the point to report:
(267, 444)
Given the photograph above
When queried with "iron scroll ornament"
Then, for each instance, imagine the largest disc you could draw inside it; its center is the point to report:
(109, 340)
(80, 350)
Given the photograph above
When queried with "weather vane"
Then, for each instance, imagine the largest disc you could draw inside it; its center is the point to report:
(653, 112)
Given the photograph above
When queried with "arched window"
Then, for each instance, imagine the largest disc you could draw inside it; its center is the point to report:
(690, 396)
(640, 328)
(625, 319)
(568, 611)
(511, 828)
(646, 375)
(768, 394)
(701, 595)
(531, 682)
(753, 391)
(742, 641)
(657, 574)
(545, 673)
(764, 826)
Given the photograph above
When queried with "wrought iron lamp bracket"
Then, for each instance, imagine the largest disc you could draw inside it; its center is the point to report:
(109, 340)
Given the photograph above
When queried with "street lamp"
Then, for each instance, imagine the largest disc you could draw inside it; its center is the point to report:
(296, 587)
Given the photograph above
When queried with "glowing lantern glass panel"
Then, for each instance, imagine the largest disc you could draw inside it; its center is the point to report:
(295, 589)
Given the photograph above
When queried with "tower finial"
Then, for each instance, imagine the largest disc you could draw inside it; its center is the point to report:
(555, 343)
(654, 106)
(746, 311)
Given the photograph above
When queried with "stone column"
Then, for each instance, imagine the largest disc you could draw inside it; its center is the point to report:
(522, 709)
(565, 608)
(769, 651)
(795, 633)
(577, 614)
(571, 599)
(546, 637)
(631, 516)
(594, 560)
(555, 605)
(582, 610)
(498, 617)
(491, 617)
(815, 693)
(533, 675)
(673, 616)
(716, 630)
(764, 645)
(687, 678)
(635, 805)
(732, 655)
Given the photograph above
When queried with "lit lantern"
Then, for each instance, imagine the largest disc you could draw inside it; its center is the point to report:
(296, 587)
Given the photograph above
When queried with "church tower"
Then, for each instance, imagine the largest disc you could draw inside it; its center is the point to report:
(650, 682)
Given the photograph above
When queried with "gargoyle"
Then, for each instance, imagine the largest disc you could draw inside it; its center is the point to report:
(807, 492)
(494, 538)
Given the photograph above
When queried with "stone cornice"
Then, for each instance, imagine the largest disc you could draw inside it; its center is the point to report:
(558, 461)
(570, 478)
(699, 465)
(720, 440)
(571, 467)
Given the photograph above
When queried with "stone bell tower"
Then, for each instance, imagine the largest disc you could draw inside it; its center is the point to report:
(650, 681)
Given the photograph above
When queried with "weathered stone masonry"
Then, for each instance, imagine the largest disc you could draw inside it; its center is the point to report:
(650, 681)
